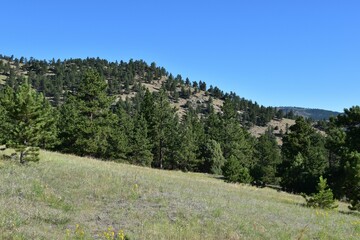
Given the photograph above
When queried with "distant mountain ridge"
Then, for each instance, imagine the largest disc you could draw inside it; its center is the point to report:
(315, 114)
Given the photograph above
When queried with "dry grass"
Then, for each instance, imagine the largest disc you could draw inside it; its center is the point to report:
(46, 200)
(256, 131)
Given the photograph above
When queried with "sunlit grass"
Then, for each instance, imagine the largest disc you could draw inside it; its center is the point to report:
(63, 194)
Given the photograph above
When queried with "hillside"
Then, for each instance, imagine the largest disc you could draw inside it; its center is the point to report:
(58, 78)
(315, 114)
(67, 197)
(280, 127)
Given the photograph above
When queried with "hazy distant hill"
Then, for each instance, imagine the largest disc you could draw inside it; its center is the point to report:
(315, 114)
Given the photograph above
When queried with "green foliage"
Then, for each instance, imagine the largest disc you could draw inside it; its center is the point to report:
(2, 124)
(235, 140)
(141, 146)
(213, 157)
(188, 147)
(29, 121)
(352, 179)
(234, 171)
(164, 130)
(268, 156)
(304, 158)
(87, 126)
(343, 142)
(324, 198)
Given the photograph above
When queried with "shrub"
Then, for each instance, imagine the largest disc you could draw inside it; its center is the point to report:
(323, 199)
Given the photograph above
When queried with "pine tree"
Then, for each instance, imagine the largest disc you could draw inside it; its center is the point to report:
(324, 198)
(3, 124)
(141, 146)
(268, 156)
(188, 148)
(351, 185)
(304, 158)
(29, 121)
(343, 142)
(234, 171)
(164, 131)
(87, 126)
(213, 159)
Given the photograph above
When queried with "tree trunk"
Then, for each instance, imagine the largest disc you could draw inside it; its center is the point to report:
(22, 161)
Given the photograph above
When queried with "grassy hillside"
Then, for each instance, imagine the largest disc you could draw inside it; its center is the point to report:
(67, 197)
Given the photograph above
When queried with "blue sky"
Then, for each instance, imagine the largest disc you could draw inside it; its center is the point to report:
(278, 53)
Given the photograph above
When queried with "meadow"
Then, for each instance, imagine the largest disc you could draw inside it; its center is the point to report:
(69, 197)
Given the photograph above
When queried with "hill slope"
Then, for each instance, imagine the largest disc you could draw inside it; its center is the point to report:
(315, 114)
(47, 200)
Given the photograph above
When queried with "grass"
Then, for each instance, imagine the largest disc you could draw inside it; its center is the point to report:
(68, 197)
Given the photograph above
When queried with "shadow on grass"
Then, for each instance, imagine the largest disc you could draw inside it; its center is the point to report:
(353, 213)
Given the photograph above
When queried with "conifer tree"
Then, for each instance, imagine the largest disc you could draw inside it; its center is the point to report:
(213, 159)
(29, 121)
(324, 198)
(268, 156)
(87, 126)
(304, 158)
(164, 130)
(235, 141)
(234, 171)
(141, 146)
(3, 124)
(351, 184)
(188, 147)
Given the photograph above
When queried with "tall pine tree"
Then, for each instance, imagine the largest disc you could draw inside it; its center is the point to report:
(88, 126)
(29, 121)
(304, 158)
(164, 131)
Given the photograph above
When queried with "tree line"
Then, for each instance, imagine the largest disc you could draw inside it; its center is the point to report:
(147, 131)
(56, 78)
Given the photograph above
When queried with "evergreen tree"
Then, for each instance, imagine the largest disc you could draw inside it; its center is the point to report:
(268, 156)
(343, 142)
(351, 185)
(120, 146)
(304, 158)
(188, 147)
(141, 146)
(234, 140)
(29, 121)
(234, 171)
(213, 159)
(88, 126)
(163, 130)
(324, 198)
(3, 123)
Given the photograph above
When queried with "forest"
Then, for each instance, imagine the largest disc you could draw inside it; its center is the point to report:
(96, 108)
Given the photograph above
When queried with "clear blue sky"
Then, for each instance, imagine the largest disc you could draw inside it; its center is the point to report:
(278, 53)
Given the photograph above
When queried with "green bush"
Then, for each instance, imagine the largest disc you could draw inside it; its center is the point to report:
(323, 199)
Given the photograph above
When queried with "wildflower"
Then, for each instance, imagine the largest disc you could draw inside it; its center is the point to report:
(121, 235)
